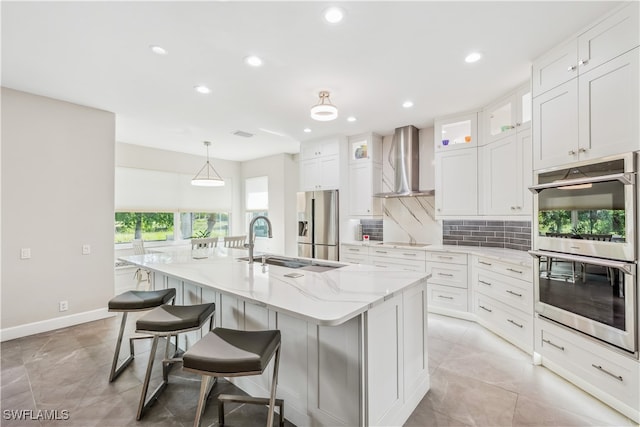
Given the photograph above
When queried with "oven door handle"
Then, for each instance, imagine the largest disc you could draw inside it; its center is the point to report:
(627, 178)
(627, 267)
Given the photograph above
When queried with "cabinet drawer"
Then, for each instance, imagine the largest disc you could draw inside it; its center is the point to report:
(354, 249)
(448, 274)
(447, 297)
(447, 257)
(605, 369)
(512, 270)
(355, 258)
(516, 327)
(408, 254)
(398, 264)
(513, 292)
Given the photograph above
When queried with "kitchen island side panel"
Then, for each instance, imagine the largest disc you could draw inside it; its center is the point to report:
(334, 375)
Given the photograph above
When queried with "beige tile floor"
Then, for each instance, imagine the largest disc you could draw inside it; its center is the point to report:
(477, 379)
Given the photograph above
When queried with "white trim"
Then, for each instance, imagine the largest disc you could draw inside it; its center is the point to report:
(52, 324)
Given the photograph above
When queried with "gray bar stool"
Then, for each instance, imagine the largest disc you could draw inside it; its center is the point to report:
(132, 301)
(233, 353)
(165, 321)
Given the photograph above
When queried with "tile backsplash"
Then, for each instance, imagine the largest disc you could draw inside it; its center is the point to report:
(489, 233)
(372, 227)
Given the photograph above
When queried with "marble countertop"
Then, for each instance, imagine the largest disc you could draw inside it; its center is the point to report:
(325, 298)
(507, 255)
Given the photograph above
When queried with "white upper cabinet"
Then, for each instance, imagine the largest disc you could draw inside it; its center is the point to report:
(457, 183)
(320, 165)
(605, 40)
(505, 175)
(456, 132)
(555, 67)
(365, 175)
(596, 113)
(507, 115)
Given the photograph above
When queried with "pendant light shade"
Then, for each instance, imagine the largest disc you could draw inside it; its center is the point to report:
(207, 175)
(324, 110)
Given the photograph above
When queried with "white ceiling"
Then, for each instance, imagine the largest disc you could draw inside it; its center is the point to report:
(382, 53)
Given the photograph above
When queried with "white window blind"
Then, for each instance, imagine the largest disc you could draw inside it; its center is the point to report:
(257, 193)
(141, 190)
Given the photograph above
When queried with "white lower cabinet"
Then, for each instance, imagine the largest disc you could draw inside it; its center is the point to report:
(447, 287)
(610, 376)
(355, 254)
(503, 299)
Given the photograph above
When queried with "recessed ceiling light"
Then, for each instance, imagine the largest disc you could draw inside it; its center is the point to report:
(253, 60)
(202, 89)
(351, 119)
(333, 15)
(473, 57)
(158, 50)
(307, 130)
(407, 104)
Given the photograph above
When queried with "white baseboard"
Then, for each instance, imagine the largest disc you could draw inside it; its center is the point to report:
(52, 324)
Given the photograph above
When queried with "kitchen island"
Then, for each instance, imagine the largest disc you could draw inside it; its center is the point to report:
(354, 338)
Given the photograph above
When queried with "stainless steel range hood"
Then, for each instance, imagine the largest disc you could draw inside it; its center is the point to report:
(404, 155)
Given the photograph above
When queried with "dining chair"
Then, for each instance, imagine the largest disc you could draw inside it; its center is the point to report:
(209, 242)
(235, 241)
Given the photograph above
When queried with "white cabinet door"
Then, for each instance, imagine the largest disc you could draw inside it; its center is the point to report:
(309, 174)
(457, 182)
(610, 38)
(499, 119)
(525, 146)
(365, 179)
(555, 126)
(456, 133)
(501, 177)
(608, 107)
(329, 170)
(554, 68)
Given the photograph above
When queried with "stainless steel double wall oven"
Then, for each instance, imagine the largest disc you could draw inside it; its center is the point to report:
(585, 235)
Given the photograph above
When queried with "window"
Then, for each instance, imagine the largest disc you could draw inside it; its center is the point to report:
(149, 226)
(257, 202)
(204, 224)
(163, 226)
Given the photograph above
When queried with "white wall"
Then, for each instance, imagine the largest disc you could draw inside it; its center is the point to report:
(57, 181)
(282, 170)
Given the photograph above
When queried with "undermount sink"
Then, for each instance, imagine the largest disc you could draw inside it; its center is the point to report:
(282, 261)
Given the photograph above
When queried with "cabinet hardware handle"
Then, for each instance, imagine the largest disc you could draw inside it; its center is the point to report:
(582, 150)
(445, 297)
(518, 124)
(445, 257)
(383, 266)
(583, 62)
(600, 368)
(572, 68)
(381, 252)
(485, 308)
(575, 247)
(514, 293)
(484, 263)
(485, 283)
(515, 271)
(554, 345)
(354, 249)
(515, 323)
(513, 208)
(445, 274)
(408, 254)
(572, 153)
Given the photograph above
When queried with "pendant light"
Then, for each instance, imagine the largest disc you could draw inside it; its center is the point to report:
(324, 110)
(210, 178)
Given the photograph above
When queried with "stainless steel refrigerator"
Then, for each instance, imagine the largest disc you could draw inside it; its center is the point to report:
(318, 225)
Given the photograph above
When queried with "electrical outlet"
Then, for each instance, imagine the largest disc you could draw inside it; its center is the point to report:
(63, 305)
(25, 253)
(86, 249)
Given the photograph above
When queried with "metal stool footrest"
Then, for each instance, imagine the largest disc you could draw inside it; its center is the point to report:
(251, 400)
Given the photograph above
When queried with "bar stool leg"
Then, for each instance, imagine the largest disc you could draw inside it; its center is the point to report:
(145, 386)
(274, 383)
(205, 388)
(115, 370)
